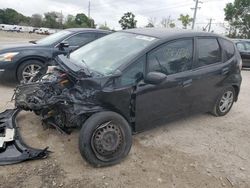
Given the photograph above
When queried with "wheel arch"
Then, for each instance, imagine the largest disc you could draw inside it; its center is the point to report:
(131, 124)
(237, 91)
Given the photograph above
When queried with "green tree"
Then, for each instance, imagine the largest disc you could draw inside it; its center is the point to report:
(151, 22)
(1, 16)
(185, 20)
(167, 22)
(51, 20)
(83, 21)
(70, 22)
(172, 25)
(128, 21)
(149, 25)
(238, 16)
(36, 20)
(11, 16)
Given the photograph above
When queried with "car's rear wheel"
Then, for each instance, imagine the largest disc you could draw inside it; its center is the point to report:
(28, 70)
(224, 102)
(105, 139)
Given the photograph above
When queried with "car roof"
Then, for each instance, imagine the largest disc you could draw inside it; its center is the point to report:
(87, 29)
(163, 33)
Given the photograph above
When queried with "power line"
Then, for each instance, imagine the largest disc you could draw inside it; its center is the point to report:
(175, 5)
(112, 3)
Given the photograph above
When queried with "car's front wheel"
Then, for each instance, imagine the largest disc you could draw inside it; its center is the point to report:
(28, 70)
(105, 139)
(224, 102)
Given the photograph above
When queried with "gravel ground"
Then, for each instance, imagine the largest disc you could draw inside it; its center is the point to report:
(198, 151)
(13, 37)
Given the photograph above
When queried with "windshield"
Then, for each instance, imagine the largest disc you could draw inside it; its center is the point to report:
(105, 55)
(53, 38)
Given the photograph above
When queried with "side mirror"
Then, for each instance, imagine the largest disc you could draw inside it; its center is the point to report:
(63, 45)
(155, 78)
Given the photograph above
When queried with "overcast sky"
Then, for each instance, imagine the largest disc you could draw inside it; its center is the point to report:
(112, 10)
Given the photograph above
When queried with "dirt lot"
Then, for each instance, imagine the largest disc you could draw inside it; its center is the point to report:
(198, 151)
(10, 37)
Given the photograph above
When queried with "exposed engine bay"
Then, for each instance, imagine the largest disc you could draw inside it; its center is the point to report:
(64, 98)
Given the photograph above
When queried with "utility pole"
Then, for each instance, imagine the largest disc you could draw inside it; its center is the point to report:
(89, 10)
(210, 24)
(195, 11)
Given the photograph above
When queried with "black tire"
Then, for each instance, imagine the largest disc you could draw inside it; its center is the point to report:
(217, 110)
(105, 126)
(27, 63)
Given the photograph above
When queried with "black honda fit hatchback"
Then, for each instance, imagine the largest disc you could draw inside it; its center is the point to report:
(131, 81)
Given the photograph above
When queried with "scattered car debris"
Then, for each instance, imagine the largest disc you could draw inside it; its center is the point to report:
(12, 148)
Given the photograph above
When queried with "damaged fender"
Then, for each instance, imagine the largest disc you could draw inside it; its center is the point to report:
(12, 148)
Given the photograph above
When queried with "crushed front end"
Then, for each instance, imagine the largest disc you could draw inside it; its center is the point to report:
(66, 97)
(62, 99)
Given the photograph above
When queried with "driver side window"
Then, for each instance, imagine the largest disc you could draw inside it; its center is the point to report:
(172, 58)
(133, 73)
(81, 39)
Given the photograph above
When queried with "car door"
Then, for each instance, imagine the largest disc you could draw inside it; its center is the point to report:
(79, 40)
(121, 98)
(209, 71)
(156, 104)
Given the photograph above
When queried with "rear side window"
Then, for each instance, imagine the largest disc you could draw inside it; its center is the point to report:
(172, 58)
(208, 52)
(228, 49)
(99, 35)
(240, 47)
(248, 46)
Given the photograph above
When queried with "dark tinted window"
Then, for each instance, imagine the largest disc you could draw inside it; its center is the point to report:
(228, 48)
(240, 46)
(208, 52)
(133, 72)
(172, 58)
(99, 35)
(247, 46)
(81, 39)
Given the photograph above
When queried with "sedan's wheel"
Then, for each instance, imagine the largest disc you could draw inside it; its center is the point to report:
(224, 102)
(28, 70)
(105, 139)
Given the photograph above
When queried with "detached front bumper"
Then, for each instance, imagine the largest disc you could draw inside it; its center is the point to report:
(12, 148)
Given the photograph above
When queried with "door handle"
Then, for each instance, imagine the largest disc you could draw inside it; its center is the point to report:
(225, 71)
(187, 83)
